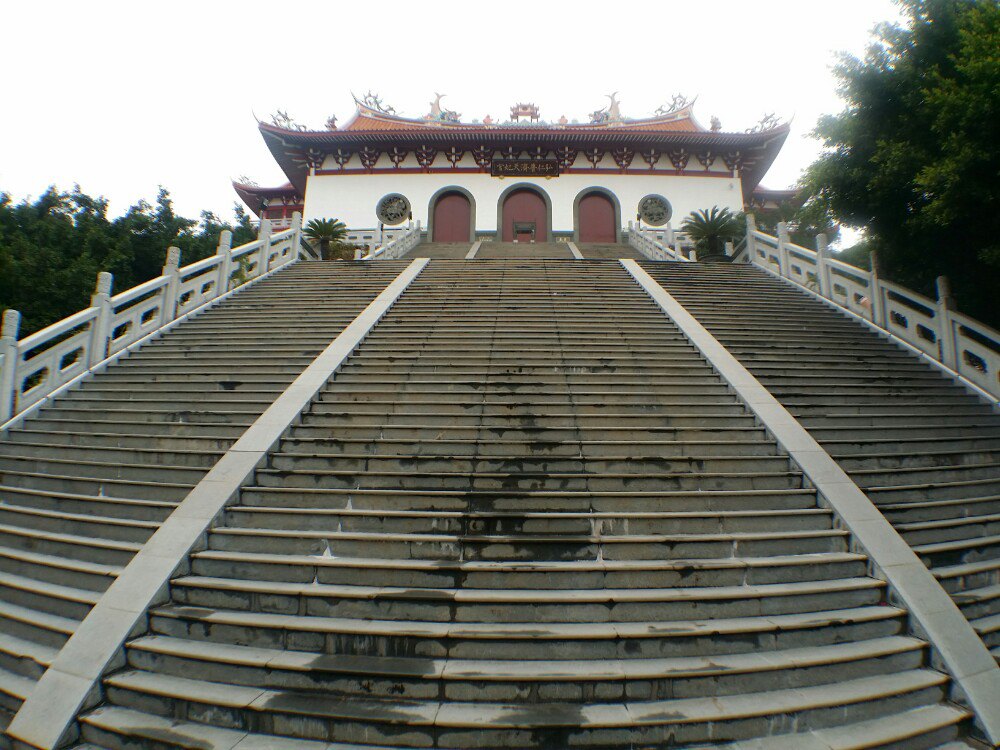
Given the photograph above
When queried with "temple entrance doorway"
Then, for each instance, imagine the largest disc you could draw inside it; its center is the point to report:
(596, 217)
(452, 218)
(524, 217)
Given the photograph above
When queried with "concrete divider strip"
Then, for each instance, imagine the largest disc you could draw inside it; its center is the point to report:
(956, 647)
(577, 255)
(47, 719)
(473, 250)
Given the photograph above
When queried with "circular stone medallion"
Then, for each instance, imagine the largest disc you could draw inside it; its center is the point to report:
(655, 210)
(393, 209)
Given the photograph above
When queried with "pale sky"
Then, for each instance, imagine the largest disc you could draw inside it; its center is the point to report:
(123, 96)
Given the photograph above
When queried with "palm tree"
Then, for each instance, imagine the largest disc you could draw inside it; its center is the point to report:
(712, 229)
(325, 233)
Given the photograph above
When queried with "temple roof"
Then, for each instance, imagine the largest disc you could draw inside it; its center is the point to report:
(375, 128)
(255, 195)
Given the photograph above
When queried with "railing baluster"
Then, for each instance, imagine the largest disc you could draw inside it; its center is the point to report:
(8, 365)
(946, 331)
(264, 255)
(100, 326)
(168, 309)
(225, 254)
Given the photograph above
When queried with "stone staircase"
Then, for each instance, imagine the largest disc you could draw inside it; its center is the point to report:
(596, 251)
(441, 250)
(527, 514)
(925, 450)
(86, 481)
(526, 250)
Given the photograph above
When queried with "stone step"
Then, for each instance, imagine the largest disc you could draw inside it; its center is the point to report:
(108, 468)
(24, 658)
(460, 605)
(48, 598)
(489, 523)
(63, 522)
(450, 723)
(45, 629)
(534, 464)
(76, 546)
(526, 501)
(473, 413)
(172, 439)
(113, 507)
(508, 447)
(527, 640)
(95, 486)
(815, 537)
(347, 677)
(81, 574)
(541, 575)
(302, 471)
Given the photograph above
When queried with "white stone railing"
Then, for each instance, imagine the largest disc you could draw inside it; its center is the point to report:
(35, 367)
(963, 345)
(399, 246)
(657, 245)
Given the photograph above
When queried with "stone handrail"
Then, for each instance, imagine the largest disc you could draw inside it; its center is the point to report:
(398, 247)
(962, 345)
(35, 367)
(649, 244)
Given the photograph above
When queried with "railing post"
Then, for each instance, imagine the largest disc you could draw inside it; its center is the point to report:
(296, 235)
(783, 249)
(729, 249)
(751, 238)
(822, 245)
(945, 304)
(8, 365)
(224, 253)
(669, 235)
(172, 272)
(100, 326)
(875, 293)
(264, 255)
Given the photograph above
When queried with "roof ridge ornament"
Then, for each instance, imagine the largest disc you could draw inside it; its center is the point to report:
(439, 114)
(677, 103)
(374, 102)
(610, 114)
(769, 121)
(281, 119)
(525, 109)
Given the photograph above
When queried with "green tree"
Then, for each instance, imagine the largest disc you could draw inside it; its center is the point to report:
(712, 229)
(805, 221)
(52, 248)
(914, 156)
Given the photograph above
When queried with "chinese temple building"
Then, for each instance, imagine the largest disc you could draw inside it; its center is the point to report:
(525, 179)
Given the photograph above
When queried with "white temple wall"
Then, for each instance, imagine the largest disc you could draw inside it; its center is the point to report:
(352, 198)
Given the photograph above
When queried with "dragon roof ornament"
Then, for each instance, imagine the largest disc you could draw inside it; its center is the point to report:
(374, 102)
(769, 121)
(676, 104)
(281, 119)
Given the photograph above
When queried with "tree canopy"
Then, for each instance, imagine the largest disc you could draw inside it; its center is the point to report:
(52, 248)
(914, 156)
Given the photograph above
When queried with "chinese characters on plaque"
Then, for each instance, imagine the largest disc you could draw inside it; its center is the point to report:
(524, 168)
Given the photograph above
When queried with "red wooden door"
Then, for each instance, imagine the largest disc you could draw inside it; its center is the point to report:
(452, 218)
(597, 218)
(525, 207)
